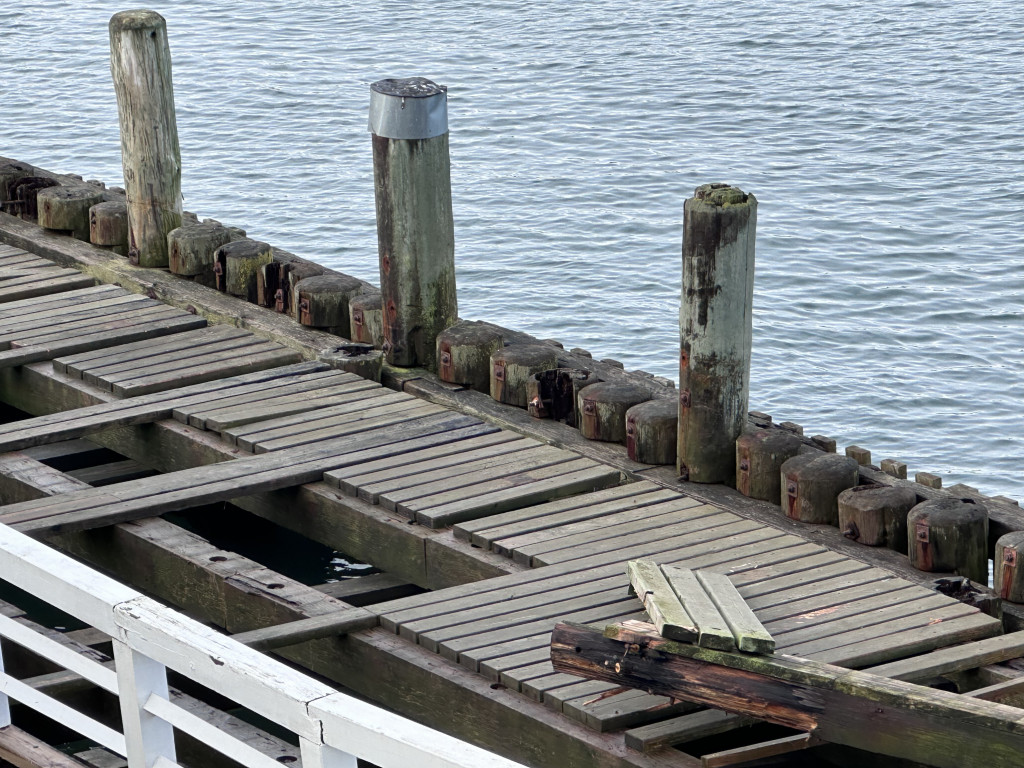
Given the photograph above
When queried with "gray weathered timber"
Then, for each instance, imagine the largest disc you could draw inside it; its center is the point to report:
(811, 484)
(236, 265)
(715, 326)
(950, 535)
(366, 318)
(512, 368)
(140, 64)
(838, 705)
(321, 301)
(292, 633)
(415, 232)
(191, 248)
(713, 630)
(750, 634)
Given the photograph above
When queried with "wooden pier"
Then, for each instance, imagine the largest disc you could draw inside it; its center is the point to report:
(512, 533)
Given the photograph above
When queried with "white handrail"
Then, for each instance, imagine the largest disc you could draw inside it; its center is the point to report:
(333, 728)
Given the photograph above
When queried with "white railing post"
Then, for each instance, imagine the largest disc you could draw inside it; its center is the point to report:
(322, 756)
(147, 737)
(5, 704)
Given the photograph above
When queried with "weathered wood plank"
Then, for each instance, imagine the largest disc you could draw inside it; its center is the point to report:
(749, 633)
(713, 629)
(313, 628)
(667, 613)
(682, 729)
(40, 286)
(367, 590)
(766, 749)
(838, 705)
(958, 658)
(23, 750)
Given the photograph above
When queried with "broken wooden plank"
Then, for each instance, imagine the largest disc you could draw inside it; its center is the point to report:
(667, 613)
(839, 705)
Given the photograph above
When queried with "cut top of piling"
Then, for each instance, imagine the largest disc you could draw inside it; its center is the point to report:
(141, 19)
(721, 194)
(408, 108)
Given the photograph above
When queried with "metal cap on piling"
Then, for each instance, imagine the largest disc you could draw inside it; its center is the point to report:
(408, 108)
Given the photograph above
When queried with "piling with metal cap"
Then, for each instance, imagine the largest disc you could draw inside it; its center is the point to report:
(415, 230)
(715, 327)
(140, 64)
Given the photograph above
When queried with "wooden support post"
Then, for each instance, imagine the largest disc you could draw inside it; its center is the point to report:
(1008, 562)
(66, 209)
(715, 315)
(651, 430)
(236, 264)
(366, 319)
(876, 515)
(464, 353)
(322, 756)
(322, 302)
(191, 248)
(415, 230)
(811, 484)
(108, 226)
(513, 367)
(146, 736)
(140, 64)
(950, 535)
(603, 409)
(10, 172)
(5, 704)
(759, 459)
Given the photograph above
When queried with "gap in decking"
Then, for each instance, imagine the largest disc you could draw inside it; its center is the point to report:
(279, 549)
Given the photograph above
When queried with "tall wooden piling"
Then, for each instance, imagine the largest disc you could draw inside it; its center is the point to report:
(715, 329)
(140, 64)
(415, 230)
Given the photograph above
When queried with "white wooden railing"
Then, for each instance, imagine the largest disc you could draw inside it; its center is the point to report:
(333, 729)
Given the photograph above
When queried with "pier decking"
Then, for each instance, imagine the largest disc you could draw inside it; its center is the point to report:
(515, 533)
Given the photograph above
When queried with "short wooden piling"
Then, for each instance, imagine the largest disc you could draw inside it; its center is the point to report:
(322, 301)
(949, 535)
(715, 328)
(603, 409)
(811, 484)
(513, 367)
(140, 64)
(1008, 576)
(651, 429)
(415, 230)
(10, 172)
(876, 515)
(67, 209)
(365, 319)
(464, 353)
(108, 226)
(191, 247)
(236, 264)
(759, 459)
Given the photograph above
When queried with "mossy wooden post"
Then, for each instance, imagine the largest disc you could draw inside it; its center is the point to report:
(321, 301)
(365, 319)
(715, 330)
(140, 64)
(464, 353)
(512, 368)
(949, 535)
(415, 231)
(1008, 580)
(66, 209)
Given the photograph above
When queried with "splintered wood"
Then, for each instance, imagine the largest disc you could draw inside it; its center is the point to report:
(697, 606)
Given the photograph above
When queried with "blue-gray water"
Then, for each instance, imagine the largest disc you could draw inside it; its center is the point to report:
(882, 140)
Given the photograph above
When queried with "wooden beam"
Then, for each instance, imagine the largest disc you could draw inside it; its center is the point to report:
(315, 627)
(23, 750)
(958, 658)
(841, 706)
(772, 748)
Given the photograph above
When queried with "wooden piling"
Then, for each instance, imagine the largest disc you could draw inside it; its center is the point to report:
(140, 64)
(811, 484)
(759, 459)
(951, 535)
(321, 301)
(603, 409)
(514, 366)
(876, 515)
(191, 247)
(366, 319)
(67, 209)
(108, 226)
(415, 230)
(651, 429)
(715, 330)
(464, 353)
(1008, 575)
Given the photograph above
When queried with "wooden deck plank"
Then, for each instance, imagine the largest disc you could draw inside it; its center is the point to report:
(49, 320)
(481, 532)
(370, 485)
(955, 659)
(613, 525)
(474, 477)
(522, 546)
(40, 286)
(74, 365)
(55, 302)
(578, 481)
(64, 325)
(195, 374)
(244, 345)
(289, 403)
